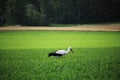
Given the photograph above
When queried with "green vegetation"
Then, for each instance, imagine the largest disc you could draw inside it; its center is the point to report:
(46, 12)
(85, 64)
(59, 39)
(24, 55)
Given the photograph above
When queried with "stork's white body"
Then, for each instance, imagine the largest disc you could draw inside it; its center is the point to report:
(63, 52)
(60, 52)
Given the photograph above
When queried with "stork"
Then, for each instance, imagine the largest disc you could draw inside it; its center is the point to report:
(60, 53)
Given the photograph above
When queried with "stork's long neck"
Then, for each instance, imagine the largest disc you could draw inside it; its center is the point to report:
(68, 50)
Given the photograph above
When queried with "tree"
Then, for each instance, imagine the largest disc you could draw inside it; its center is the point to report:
(35, 14)
(34, 17)
(2, 11)
(45, 12)
(15, 12)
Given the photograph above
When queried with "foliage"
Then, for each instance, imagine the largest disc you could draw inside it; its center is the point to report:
(85, 64)
(35, 17)
(59, 11)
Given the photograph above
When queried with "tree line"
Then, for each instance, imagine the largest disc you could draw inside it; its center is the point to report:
(46, 12)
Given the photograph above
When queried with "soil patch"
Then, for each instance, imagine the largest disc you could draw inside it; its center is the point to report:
(107, 27)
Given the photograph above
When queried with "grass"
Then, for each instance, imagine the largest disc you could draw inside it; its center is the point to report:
(63, 25)
(81, 25)
(59, 39)
(24, 55)
(34, 64)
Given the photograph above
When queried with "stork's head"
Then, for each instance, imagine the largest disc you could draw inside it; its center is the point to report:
(70, 49)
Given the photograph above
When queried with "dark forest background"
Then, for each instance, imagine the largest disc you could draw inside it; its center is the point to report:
(46, 12)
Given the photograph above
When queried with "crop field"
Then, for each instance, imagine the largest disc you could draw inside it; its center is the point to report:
(24, 55)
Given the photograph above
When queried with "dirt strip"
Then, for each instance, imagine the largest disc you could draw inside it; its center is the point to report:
(110, 27)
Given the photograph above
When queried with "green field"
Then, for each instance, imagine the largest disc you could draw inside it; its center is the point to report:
(24, 55)
(57, 39)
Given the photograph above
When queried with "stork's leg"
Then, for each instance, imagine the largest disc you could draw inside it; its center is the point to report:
(59, 56)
